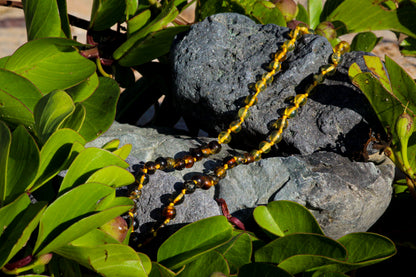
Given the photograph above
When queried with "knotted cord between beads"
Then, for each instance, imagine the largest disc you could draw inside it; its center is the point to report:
(224, 137)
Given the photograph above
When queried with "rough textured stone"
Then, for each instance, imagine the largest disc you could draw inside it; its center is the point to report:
(345, 196)
(216, 60)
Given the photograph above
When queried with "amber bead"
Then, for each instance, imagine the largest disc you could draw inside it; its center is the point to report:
(161, 163)
(203, 181)
(275, 65)
(265, 146)
(294, 33)
(240, 159)
(300, 99)
(189, 161)
(230, 161)
(328, 69)
(179, 164)
(214, 179)
(309, 88)
(290, 111)
(319, 78)
(190, 186)
(289, 45)
(280, 123)
(342, 47)
(281, 56)
(235, 126)
(224, 137)
(206, 151)
(275, 137)
(256, 155)
(214, 146)
(142, 178)
(268, 77)
(336, 58)
(261, 85)
(248, 158)
(151, 167)
(177, 198)
(196, 153)
(220, 172)
(243, 112)
(170, 163)
(250, 100)
(169, 212)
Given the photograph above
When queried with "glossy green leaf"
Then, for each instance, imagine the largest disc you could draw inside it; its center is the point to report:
(18, 233)
(111, 145)
(17, 99)
(131, 7)
(5, 143)
(205, 265)
(76, 119)
(302, 14)
(314, 10)
(137, 22)
(93, 238)
(107, 260)
(328, 274)
(9, 212)
(106, 13)
(194, 240)
(304, 263)
(167, 15)
(23, 163)
(159, 270)
(237, 251)
(50, 112)
(282, 218)
(151, 47)
(63, 15)
(146, 262)
(51, 64)
(3, 61)
(368, 15)
(58, 151)
(100, 109)
(300, 244)
(124, 151)
(354, 70)
(262, 269)
(42, 19)
(365, 41)
(113, 176)
(264, 13)
(86, 163)
(85, 89)
(407, 47)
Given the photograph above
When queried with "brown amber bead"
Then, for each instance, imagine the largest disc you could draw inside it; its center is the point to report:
(177, 198)
(169, 212)
(230, 161)
(161, 163)
(142, 178)
(170, 163)
(206, 151)
(189, 161)
(214, 146)
(214, 179)
(220, 172)
(248, 158)
(179, 164)
(196, 153)
(189, 186)
(151, 167)
(203, 181)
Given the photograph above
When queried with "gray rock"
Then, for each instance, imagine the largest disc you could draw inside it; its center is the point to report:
(214, 63)
(345, 196)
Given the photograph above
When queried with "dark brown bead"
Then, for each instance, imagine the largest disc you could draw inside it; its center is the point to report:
(230, 161)
(169, 212)
(142, 178)
(189, 161)
(214, 179)
(190, 186)
(203, 181)
(151, 167)
(162, 163)
(170, 163)
(173, 197)
(196, 153)
(220, 172)
(206, 151)
(214, 146)
(249, 159)
(179, 164)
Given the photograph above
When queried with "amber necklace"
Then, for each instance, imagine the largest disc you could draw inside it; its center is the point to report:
(206, 181)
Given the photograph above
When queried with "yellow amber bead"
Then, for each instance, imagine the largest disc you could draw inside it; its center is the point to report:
(280, 123)
(235, 126)
(243, 112)
(265, 146)
(281, 56)
(289, 45)
(310, 88)
(342, 47)
(251, 100)
(224, 137)
(294, 33)
(268, 77)
(275, 137)
(256, 155)
(261, 85)
(328, 69)
(275, 64)
(336, 58)
(291, 111)
(300, 99)
(319, 78)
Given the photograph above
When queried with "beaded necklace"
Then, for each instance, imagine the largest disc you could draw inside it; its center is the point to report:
(206, 181)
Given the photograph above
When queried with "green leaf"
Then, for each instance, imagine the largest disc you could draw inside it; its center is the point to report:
(167, 15)
(107, 260)
(23, 163)
(11, 211)
(111, 145)
(85, 89)
(365, 41)
(18, 233)
(124, 151)
(300, 244)
(51, 64)
(194, 240)
(50, 112)
(17, 99)
(302, 14)
(76, 119)
(314, 11)
(262, 269)
(93, 238)
(151, 47)
(137, 22)
(3, 61)
(42, 19)
(265, 13)
(237, 251)
(58, 151)
(408, 47)
(63, 15)
(100, 109)
(5, 143)
(86, 163)
(368, 15)
(205, 265)
(131, 7)
(113, 176)
(159, 270)
(105, 13)
(205, 8)
(282, 218)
